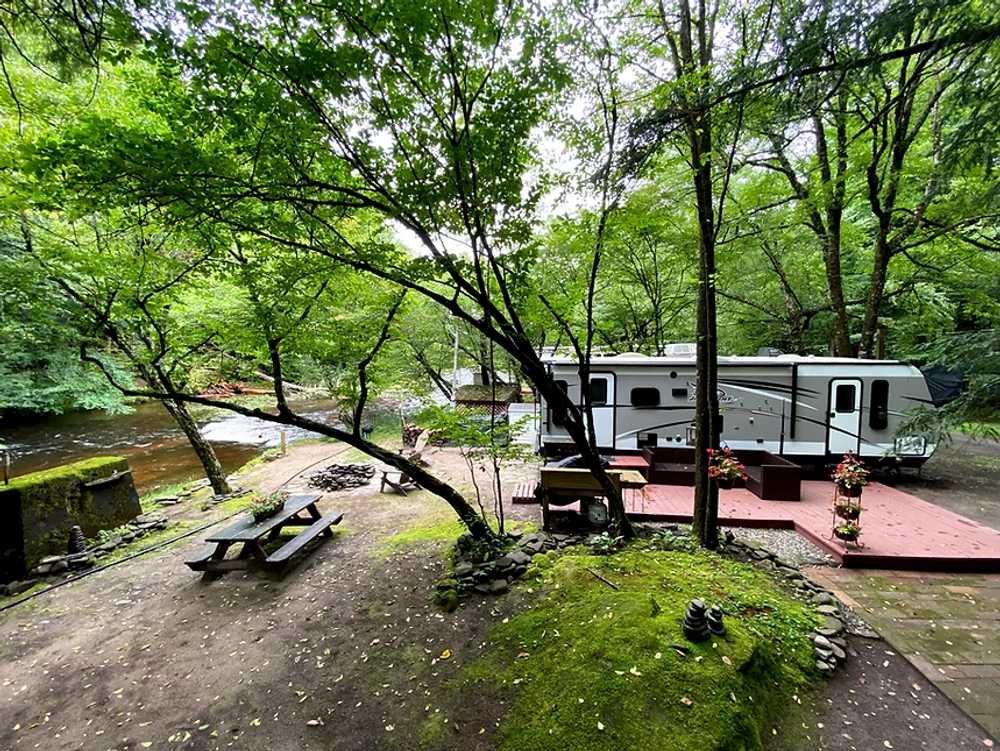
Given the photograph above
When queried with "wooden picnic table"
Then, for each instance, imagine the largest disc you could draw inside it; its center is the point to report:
(252, 535)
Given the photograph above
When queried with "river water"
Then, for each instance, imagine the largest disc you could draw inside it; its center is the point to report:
(148, 437)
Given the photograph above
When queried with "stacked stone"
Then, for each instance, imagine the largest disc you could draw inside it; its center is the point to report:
(695, 623)
(715, 624)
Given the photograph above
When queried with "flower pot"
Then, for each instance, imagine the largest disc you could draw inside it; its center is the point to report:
(848, 511)
(850, 491)
(259, 516)
(847, 535)
(726, 483)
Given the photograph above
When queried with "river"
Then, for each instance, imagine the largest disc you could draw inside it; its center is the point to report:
(157, 451)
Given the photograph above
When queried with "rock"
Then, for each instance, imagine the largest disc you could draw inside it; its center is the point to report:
(110, 545)
(498, 586)
(790, 573)
(823, 654)
(839, 654)
(822, 642)
(831, 624)
(504, 562)
(823, 598)
(533, 547)
(824, 667)
(17, 587)
(827, 609)
(465, 542)
(169, 500)
(83, 561)
(520, 558)
(481, 588)
(464, 570)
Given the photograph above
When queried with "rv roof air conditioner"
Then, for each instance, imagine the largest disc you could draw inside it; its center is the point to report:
(682, 349)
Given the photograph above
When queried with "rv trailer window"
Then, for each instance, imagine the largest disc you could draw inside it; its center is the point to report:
(559, 415)
(844, 403)
(645, 397)
(598, 391)
(878, 418)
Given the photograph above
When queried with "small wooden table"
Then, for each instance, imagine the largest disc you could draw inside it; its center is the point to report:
(252, 534)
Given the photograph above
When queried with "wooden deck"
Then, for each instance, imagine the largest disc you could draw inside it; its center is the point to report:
(899, 530)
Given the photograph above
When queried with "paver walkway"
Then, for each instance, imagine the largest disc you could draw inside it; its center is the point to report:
(946, 625)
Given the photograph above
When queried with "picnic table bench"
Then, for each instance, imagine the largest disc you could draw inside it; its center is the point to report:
(253, 534)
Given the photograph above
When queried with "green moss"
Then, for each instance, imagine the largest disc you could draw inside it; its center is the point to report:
(237, 503)
(433, 731)
(439, 527)
(585, 653)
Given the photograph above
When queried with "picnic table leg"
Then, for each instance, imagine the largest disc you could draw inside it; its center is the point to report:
(545, 511)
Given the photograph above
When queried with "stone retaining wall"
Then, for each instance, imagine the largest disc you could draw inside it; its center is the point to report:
(37, 510)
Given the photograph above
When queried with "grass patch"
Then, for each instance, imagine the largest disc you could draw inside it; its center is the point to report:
(590, 667)
(237, 503)
(439, 526)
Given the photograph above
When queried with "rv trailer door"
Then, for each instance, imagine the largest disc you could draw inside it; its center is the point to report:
(844, 418)
(602, 398)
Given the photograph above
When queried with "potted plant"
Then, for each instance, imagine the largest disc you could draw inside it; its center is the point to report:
(725, 468)
(850, 475)
(848, 509)
(848, 531)
(268, 505)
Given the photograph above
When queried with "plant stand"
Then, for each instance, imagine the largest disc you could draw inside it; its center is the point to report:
(839, 497)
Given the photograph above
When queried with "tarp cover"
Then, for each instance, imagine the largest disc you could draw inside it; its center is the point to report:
(943, 384)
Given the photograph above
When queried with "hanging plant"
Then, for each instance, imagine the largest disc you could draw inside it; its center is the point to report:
(725, 468)
(851, 475)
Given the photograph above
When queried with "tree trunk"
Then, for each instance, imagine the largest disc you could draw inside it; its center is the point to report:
(206, 454)
(833, 191)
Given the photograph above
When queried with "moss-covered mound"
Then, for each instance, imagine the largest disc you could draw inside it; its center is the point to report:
(593, 667)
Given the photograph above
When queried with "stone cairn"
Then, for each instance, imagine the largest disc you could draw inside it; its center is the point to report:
(77, 542)
(715, 624)
(342, 476)
(695, 624)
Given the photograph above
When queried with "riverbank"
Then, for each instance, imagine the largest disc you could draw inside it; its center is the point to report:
(158, 453)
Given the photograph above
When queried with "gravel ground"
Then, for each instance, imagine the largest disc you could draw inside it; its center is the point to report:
(785, 543)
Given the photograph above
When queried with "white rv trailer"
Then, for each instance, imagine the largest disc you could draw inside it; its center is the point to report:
(812, 409)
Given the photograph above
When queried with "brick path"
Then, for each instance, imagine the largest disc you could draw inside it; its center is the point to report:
(947, 625)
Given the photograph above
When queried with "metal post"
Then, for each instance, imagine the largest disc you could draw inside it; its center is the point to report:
(284, 443)
(6, 464)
